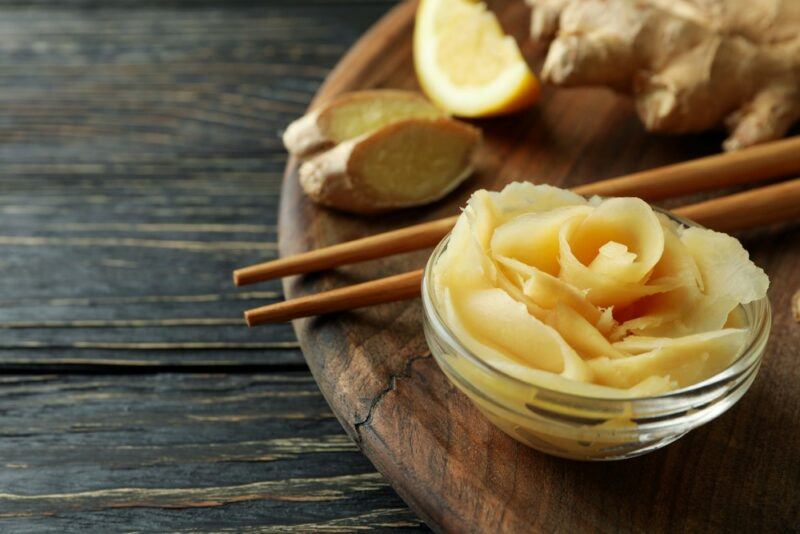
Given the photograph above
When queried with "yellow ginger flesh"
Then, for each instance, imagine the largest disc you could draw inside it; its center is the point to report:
(601, 297)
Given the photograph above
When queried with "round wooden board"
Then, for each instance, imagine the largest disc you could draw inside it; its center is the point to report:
(738, 473)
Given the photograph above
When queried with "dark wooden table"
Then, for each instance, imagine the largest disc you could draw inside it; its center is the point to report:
(140, 162)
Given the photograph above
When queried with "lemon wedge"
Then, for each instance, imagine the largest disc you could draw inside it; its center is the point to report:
(466, 64)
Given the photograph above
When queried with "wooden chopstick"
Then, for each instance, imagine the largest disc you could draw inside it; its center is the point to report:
(757, 207)
(765, 205)
(751, 165)
(390, 289)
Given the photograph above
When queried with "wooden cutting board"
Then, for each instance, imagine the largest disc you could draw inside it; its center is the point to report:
(738, 473)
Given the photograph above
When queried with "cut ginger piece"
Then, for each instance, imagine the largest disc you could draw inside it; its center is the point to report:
(352, 115)
(407, 163)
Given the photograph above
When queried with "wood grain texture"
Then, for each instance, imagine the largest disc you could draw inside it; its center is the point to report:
(171, 452)
(140, 162)
(461, 474)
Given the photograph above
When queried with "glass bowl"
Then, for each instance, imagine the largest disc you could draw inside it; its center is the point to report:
(590, 428)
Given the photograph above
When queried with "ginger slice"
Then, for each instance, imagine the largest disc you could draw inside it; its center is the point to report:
(407, 163)
(686, 360)
(352, 115)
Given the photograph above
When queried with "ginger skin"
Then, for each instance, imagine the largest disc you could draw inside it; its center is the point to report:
(691, 65)
(408, 163)
(381, 149)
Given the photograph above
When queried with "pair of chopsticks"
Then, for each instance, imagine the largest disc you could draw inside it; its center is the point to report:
(760, 206)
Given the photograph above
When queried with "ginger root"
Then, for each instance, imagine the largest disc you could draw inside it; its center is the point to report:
(690, 64)
(352, 115)
(407, 163)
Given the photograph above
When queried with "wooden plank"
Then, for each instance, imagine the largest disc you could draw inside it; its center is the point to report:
(140, 163)
(167, 452)
(459, 472)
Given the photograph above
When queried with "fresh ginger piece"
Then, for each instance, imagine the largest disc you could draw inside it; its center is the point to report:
(691, 65)
(352, 115)
(404, 164)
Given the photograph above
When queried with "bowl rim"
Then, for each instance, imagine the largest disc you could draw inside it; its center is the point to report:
(758, 313)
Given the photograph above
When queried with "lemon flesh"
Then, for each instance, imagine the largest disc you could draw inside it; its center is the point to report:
(466, 64)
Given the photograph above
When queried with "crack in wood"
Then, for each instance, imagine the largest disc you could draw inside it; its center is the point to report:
(393, 378)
